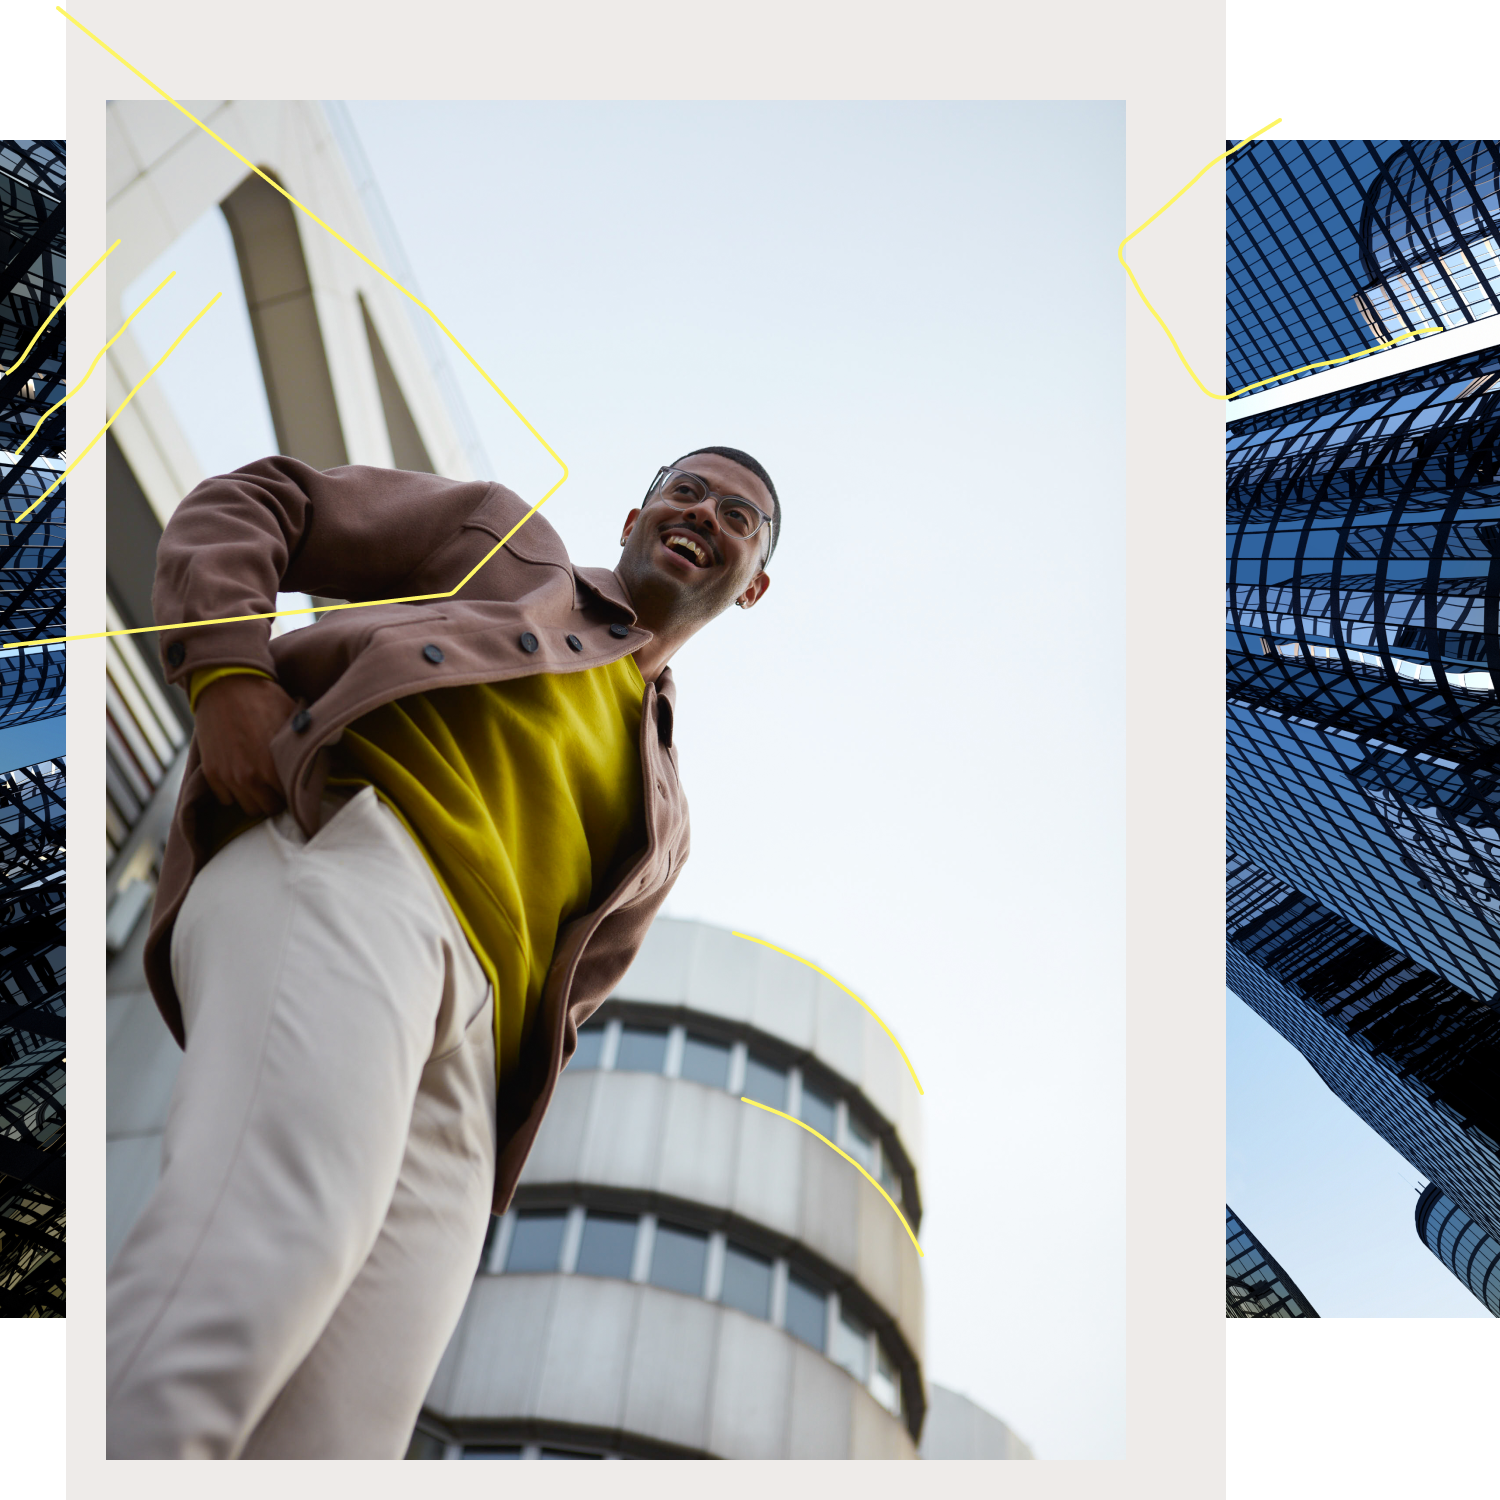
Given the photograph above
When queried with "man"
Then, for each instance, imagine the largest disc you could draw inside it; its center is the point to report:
(416, 845)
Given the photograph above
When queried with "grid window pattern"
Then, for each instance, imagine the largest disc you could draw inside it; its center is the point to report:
(1363, 650)
(1472, 1254)
(677, 1258)
(33, 252)
(1398, 1109)
(1414, 1023)
(33, 1080)
(640, 1048)
(1335, 246)
(1255, 1286)
(32, 358)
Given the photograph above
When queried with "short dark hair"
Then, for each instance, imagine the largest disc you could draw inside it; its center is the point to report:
(737, 455)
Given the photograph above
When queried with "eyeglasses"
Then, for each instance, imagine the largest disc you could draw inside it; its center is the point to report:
(736, 515)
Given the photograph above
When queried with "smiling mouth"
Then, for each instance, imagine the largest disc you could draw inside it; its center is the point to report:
(689, 547)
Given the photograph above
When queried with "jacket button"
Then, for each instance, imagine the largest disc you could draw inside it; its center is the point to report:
(575, 643)
(528, 641)
(619, 631)
(175, 653)
(434, 654)
(301, 720)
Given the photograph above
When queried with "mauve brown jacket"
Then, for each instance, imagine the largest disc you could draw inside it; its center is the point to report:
(359, 533)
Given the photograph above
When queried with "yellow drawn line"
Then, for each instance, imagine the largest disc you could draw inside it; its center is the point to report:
(808, 1128)
(364, 603)
(829, 977)
(40, 331)
(1270, 380)
(52, 641)
(100, 355)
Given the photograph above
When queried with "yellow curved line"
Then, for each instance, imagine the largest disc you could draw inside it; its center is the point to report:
(850, 993)
(80, 385)
(45, 321)
(808, 1128)
(1161, 323)
(52, 641)
(363, 603)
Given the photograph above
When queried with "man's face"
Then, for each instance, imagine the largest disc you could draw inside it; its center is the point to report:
(680, 563)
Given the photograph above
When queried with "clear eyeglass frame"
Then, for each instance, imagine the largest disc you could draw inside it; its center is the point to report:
(724, 505)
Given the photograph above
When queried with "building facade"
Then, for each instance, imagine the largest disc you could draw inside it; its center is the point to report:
(1412, 1055)
(33, 349)
(33, 1086)
(682, 1274)
(1363, 632)
(347, 379)
(1466, 1247)
(1255, 1284)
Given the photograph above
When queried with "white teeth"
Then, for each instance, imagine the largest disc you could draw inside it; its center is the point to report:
(688, 542)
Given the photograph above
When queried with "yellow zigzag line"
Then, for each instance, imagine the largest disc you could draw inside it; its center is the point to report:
(363, 604)
(1161, 323)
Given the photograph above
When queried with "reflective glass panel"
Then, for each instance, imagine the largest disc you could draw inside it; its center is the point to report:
(747, 1282)
(851, 1347)
(608, 1245)
(643, 1049)
(678, 1259)
(590, 1045)
(818, 1111)
(806, 1313)
(492, 1452)
(536, 1242)
(886, 1386)
(860, 1144)
(765, 1083)
(705, 1062)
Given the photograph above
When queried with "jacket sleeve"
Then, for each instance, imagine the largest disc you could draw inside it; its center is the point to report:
(279, 525)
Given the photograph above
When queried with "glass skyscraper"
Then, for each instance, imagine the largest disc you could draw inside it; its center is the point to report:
(32, 355)
(1363, 634)
(32, 1042)
(1255, 1286)
(1462, 1244)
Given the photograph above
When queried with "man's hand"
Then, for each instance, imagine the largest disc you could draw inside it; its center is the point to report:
(236, 717)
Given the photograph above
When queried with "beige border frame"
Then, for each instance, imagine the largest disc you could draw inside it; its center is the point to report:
(1165, 59)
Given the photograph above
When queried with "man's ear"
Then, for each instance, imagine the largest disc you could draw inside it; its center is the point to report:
(758, 586)
(630, 520)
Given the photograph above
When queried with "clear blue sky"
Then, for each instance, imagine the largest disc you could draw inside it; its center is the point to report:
(26, 744)
(1324, 1194)
(895, 307)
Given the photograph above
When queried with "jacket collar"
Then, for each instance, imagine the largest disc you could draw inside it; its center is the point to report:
(607, 588)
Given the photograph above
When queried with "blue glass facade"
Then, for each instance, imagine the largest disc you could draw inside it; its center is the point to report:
(1255, 1286)
(1335, 246)
(32, 283)
(1411, 1054)
(32, 1042)
(1461, 1244)
(1363, 640)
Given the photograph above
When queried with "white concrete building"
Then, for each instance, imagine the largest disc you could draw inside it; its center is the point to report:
(683, 1274)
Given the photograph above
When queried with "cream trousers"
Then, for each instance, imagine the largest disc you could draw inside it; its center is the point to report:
(328, 1160)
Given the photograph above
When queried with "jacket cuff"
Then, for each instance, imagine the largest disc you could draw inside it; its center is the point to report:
(246, 643)
(205, 675)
